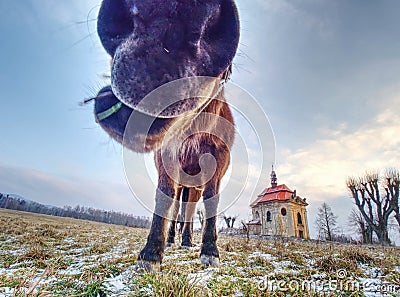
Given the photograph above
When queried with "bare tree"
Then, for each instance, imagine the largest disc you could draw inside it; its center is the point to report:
(375, 207)
(326, 222)
(356, 220)
(227, 221)
(233, 220)
(246, 230)
(200, 214)
(392, 187)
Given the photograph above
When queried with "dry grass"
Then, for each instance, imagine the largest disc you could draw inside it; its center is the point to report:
(49, 256)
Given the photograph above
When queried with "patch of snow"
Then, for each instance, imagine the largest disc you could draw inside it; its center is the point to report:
(229, 263)
(148, 290)
(310, 262)
(373, 272)
(120, 285)
(17, 252)
(238, 294)
(9, 239)
(115, 284)
(173, 257)
(16, 266)
(77, 251)
(6, 292)
(202, 277)
(69, 240)
(187, 262)
(256, 254)
(321, 276)
(233, 253)
(283, 264)
(71, 271)
(119, 248)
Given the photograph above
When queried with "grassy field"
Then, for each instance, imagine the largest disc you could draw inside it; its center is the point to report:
(48, 256)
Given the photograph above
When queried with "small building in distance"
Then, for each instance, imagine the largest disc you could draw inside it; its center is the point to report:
(278, 211)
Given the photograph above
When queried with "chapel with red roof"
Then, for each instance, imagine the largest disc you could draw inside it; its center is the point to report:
(278, 211)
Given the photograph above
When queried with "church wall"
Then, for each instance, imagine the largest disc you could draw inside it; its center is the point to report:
(257, 215)
(299, 230)
(290, 223)
(281, 225)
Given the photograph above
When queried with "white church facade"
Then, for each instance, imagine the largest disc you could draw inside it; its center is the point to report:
(279, 211)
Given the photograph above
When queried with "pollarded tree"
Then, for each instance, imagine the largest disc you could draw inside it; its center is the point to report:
(326, 222)
(392, 189)
(200, 214)
(375, 206)
(233, 220)
(227, 221)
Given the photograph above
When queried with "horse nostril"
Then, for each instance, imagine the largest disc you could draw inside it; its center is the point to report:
(115, 22)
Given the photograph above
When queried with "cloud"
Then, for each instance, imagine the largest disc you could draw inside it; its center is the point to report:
(319, 170)
(301, 13)
(277, 6)
(60, 191)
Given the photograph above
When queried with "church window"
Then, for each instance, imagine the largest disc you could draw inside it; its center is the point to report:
(299, 219)
(269, 219)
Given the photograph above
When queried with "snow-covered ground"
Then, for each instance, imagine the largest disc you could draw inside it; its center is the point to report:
(90, 259)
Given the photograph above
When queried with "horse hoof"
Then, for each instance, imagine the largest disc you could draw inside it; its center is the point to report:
(187, 246)
(147, 266)
(211, 261)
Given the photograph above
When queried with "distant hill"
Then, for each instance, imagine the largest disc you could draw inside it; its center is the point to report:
(17, 202)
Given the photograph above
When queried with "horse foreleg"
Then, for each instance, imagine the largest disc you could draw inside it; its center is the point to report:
(175, 213)
(189, 210)
(151, 256)
(209, 255)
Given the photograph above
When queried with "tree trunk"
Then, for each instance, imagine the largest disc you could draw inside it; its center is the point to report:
(328, 229)
(383, 236)
(370, 232)
(397, 216)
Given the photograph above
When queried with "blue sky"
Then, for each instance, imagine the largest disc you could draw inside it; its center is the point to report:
(325, 72)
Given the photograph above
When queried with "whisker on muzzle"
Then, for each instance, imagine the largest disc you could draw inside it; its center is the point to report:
(100, 96)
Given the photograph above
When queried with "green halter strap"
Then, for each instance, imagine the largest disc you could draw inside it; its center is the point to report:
(109, 112)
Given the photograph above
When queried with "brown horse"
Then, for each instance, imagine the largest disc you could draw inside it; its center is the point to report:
(153, 42)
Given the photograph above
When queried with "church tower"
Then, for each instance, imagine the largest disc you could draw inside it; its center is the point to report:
(278, 211)
(274, 179)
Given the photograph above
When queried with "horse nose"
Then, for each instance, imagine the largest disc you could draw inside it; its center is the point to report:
(174, 38)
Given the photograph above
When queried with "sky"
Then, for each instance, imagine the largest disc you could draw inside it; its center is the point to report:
(326, 73)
